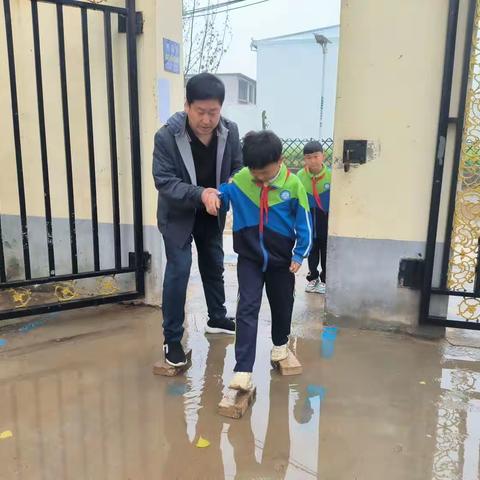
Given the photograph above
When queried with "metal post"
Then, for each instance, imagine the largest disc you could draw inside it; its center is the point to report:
(323, 42)
(43, 138)
(135, 144)
(17, 138)
(458, 141)
(449, 61)
(91, 145)
(67, 141)
(112, 128)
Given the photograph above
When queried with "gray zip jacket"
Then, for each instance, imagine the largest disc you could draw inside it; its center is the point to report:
(179, 197)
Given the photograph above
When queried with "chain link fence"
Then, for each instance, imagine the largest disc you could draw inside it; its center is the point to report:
(293, 157)
(293, 151)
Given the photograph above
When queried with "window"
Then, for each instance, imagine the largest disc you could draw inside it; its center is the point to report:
(252, 93)
(242, 91)
(246, 91)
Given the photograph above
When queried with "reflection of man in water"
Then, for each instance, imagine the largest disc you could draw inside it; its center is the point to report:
(209, 423)
(184, 459)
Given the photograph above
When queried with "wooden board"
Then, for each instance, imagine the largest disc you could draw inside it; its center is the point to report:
(235, 403)
(163, 368)
(289, 366)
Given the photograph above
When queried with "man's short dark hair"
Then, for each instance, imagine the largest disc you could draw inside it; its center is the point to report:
(261, 149)
(205, 86)
(312, 147)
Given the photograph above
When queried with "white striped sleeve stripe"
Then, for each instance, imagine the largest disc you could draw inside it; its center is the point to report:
(307, 252)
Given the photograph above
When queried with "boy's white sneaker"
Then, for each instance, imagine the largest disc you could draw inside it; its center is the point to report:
(241, 381)
(315, 286)
(279, 353)
(312, 286)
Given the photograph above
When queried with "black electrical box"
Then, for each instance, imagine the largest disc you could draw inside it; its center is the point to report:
(411, 273)
(355, 151)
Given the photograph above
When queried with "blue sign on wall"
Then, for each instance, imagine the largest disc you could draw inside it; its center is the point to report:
(171, 56)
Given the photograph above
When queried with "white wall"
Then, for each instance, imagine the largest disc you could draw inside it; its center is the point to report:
(289, 78)
(247, 116)
(231, 88)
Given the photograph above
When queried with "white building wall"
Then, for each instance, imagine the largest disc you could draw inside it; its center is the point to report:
(289, 77)
(247, 116)
(231, 88)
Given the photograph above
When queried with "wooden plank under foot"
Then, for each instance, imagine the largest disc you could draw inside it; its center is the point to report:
(163, 368)
(235, 403)
(289, 366)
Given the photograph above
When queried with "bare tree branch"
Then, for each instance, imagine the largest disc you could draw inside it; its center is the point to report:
(206, 39)
(189, 56)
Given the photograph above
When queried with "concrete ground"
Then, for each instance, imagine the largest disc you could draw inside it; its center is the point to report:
(78, 401)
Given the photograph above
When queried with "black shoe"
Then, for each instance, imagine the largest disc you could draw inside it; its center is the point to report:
(174, 354)
(225, 325)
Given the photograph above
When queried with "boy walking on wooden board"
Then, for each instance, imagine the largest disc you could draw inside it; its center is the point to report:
(272, 235)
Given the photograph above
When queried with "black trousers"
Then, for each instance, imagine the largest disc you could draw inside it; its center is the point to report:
(318, 253)
(209, 241)
(280, 286)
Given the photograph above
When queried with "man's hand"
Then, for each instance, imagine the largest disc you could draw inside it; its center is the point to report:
(211, 201)
(295, 267)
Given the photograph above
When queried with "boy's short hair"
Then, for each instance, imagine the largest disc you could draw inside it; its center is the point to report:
(312, 147)
(205, 86)
(261, 149)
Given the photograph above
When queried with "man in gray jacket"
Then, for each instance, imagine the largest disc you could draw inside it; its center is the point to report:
(195, 151)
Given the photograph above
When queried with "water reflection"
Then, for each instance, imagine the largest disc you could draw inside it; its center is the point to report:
(457, 453)
(278, 438)
(383, 406)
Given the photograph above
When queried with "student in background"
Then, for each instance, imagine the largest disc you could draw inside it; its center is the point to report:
(316, 178)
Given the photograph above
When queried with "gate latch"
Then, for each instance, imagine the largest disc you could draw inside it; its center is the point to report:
(411, 272)
(354, 151)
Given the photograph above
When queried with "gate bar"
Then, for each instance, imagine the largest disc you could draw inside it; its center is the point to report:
(471, 325)
(3, 277)
(43, 139)
(16, 133)
(91, 145)
(449, 61)
(91, 6)
(55, 307)
(476, 287)
(66, 134)
(113, 138)
(454, 293)
(458, 141)
(135, 143)
(65, 278)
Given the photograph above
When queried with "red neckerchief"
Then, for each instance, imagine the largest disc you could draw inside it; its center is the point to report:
(316, 196)
(264, 202)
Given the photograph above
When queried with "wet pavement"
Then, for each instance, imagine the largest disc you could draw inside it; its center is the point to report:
(78, 401)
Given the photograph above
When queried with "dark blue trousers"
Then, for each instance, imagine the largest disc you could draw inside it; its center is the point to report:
(280, 286)
(209, 241)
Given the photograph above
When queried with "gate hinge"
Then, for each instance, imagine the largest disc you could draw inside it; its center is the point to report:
(122, 23)
(146, 260)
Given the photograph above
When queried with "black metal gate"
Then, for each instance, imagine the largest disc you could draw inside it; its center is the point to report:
(451, 290)
(23, 291)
